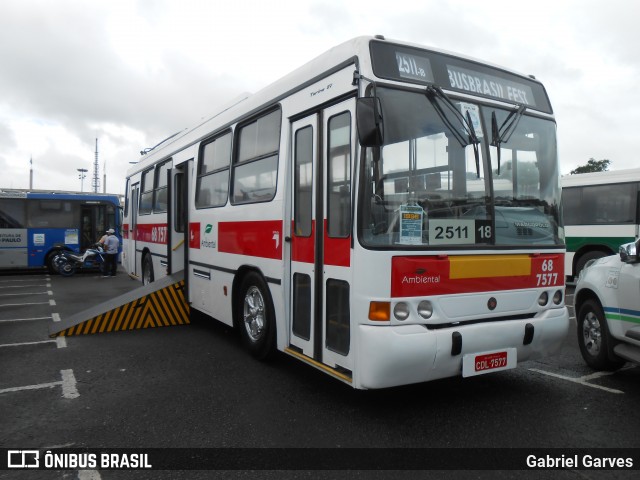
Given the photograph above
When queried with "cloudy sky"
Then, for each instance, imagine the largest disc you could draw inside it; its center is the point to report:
(132, 72)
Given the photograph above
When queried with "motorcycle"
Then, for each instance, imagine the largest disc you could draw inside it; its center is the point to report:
(67, 262)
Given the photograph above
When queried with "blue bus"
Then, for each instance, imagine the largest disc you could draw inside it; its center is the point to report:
(34, 224)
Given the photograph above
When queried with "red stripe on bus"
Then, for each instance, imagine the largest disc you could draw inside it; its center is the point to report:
(337, 251)
(151, 233)
(303, 248)
(194, 235)
(256, 238)
(423, 276)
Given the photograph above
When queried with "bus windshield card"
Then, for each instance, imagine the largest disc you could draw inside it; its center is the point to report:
(411, 224)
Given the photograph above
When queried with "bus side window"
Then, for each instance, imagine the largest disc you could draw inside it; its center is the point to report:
(160, 190)
(12, 213)
(339, 178)
(212, 185)
(126, 199)
(255, 169)
(179, 211)
(50, 213)
(146, 198)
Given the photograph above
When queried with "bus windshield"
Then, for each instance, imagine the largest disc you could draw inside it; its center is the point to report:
(436, 183)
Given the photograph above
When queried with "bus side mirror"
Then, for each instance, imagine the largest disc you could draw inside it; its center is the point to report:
(369, 121)
(629, 252)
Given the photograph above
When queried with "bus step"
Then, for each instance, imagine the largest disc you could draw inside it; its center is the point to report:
(338, 372)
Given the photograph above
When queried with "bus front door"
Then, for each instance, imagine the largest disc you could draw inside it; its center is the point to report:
(320, 324)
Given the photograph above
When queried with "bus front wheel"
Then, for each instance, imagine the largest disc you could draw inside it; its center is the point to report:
(256, 317)
(587, 257)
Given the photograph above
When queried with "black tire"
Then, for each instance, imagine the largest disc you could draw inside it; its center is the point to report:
(147, 270)
(66, 268)
(586, 257)
(255, 317)
(53, 260)
(594, 339)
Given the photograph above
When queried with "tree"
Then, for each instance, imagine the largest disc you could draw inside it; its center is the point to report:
(593, 166)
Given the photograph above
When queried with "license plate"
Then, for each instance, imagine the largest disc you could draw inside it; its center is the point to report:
(487, 362)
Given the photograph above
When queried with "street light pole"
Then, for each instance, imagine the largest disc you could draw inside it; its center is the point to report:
(82, 175)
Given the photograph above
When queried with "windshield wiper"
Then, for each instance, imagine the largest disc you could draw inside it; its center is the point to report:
(433, 93)
(503, 133)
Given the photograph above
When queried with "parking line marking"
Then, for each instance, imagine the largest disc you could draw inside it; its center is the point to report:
(52, 303)
(15, 280)
(23, 344)
(89, 475)
(581, 380)
(23, 304)
(25, 319)
(26, 293)
(68, 384)
(69, 389)
(25, 286)
(55, 317)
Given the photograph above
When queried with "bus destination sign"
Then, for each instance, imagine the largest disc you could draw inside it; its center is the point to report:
(426, 67)
(489, 85)
(415, 68)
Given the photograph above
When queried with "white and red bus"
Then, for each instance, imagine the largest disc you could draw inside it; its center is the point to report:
(386, 213)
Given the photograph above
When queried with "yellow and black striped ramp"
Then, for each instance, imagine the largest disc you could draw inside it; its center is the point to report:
(159, 304)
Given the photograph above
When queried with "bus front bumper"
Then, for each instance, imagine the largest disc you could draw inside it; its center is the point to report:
(398, 355)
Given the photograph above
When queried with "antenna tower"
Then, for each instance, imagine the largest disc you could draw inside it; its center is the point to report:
(95, 182)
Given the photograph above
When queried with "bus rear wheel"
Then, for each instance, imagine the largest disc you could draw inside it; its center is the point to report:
(147, 270)
(256, 317)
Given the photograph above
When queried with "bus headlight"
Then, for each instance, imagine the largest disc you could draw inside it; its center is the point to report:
(557, 297)
(401, 311)
(425, 309)
(543, 299)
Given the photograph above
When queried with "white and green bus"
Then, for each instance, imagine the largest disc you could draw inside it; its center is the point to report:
(601, 212)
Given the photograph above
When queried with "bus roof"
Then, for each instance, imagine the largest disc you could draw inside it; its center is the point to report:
(60, 194)
(350, 52)
(601, 178)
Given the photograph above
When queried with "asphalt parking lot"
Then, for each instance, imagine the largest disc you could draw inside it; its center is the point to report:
(194, 387)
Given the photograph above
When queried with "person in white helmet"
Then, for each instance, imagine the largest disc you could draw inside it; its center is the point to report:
(111, 245)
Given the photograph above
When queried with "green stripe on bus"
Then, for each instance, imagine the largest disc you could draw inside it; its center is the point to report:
(576, 243)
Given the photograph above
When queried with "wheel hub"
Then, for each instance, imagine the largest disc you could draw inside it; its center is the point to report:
(254, 313)
(592, 334)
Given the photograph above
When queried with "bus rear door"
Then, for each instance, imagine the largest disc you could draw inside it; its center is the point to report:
(132, 230)
(177, 216)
